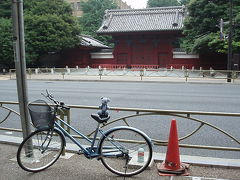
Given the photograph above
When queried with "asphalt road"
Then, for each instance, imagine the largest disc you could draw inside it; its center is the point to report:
(167, 96)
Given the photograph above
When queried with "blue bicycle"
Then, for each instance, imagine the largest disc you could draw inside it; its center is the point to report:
(117, 147)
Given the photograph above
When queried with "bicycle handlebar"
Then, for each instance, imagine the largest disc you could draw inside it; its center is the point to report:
(57, 103)
(104, 104)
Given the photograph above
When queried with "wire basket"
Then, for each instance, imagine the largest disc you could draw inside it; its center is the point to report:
(42, 114)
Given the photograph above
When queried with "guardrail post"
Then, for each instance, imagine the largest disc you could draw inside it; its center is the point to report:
(141, 73)
(36, 71)
(124, 71)
(52, 71)
(4, 71)
(63, 74)
(87, 69)
(186, 74)
(68, 70)
(105, 71)
(212, 72)
(234, 75)
(100, 72)
(201, 72)
(30, 72)
(10, 73)
(65, 113)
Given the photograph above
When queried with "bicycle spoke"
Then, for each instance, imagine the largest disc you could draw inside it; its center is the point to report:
(117, 155)
(39, 151)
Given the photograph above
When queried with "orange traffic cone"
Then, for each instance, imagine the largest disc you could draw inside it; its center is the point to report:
(172, 165)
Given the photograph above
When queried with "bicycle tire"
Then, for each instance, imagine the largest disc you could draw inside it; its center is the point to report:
(40, 150)
(118, 156)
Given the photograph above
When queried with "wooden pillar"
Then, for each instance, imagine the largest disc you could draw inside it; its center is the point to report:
(129, 45)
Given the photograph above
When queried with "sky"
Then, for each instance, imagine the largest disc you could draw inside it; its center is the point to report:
(136, 4)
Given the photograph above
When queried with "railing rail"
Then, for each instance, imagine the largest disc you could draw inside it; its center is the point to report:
(145, 112)
(141, 72)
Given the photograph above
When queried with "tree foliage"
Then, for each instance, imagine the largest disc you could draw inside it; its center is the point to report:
(201, 26)
(49, 27)
(184, 2)
(48, 34)
(6, 47)
(91, 20)
(45, 7)
(162, 3)
(5, 8)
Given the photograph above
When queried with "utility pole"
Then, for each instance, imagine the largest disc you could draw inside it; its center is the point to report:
(20, 64)
(229, 62)
(221, 24)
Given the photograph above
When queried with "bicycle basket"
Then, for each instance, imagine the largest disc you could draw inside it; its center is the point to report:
(42, 114)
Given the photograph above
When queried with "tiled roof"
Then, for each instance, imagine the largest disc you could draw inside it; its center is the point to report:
(91, 42)
(142, 20)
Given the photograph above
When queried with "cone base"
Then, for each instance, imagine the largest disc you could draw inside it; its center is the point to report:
(164, 171)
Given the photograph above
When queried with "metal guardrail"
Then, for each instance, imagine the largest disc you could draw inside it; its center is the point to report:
(161, 72)
(145, 112)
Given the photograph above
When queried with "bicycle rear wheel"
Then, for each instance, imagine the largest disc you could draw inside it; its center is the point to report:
(121, 157)
(40, 150)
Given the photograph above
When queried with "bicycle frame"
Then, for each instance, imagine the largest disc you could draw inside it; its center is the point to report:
(89, 152)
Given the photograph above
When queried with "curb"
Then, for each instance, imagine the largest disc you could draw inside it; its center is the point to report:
(157, 157)
(133, 81)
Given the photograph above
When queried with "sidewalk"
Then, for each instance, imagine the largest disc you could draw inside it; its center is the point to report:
(73, 166)
(109, 78)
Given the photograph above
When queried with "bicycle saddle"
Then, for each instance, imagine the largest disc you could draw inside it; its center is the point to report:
(100, 118)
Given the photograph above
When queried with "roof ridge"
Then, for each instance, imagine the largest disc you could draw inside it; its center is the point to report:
(142, 13)
(145, 9)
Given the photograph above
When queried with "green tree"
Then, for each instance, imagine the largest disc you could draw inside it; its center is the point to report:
(201, 26)
(184, 2)
(6, 46)
(48, 34)
(49, 27)
(5, 8)
(91, 20)
(162, 3)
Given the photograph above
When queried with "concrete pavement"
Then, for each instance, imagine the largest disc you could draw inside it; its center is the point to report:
(78, 167)
(73, 166)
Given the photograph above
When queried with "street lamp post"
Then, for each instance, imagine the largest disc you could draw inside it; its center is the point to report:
(229, 62)
(20, 64)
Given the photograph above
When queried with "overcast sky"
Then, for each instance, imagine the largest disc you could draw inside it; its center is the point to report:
(136, 4)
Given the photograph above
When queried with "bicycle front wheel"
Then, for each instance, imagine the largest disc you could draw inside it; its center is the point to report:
(40, 150)
(125, 151)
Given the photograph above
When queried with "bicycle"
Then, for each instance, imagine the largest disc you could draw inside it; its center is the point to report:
(43, 147)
